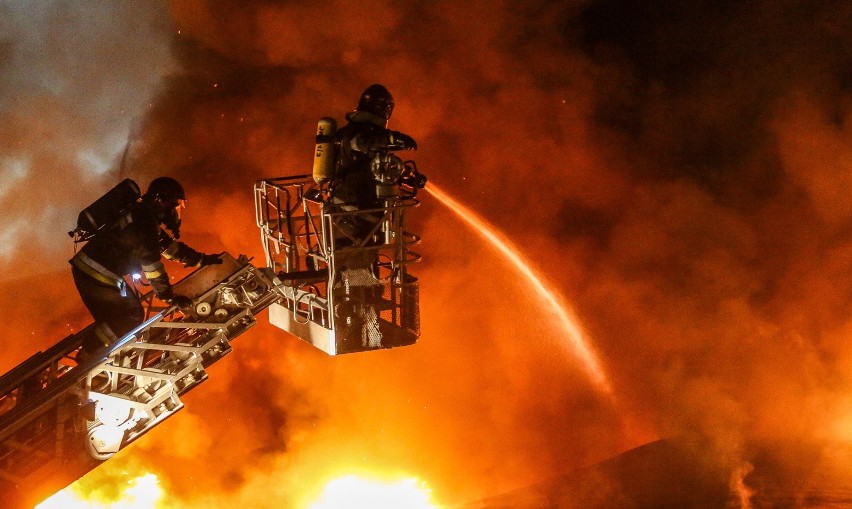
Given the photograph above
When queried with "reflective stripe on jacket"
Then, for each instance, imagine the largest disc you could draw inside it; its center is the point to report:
(96, 270)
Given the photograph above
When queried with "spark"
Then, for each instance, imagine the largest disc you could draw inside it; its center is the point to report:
(558, 308)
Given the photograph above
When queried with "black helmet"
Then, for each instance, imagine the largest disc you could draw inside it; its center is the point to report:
(376, 100)
(166, 189)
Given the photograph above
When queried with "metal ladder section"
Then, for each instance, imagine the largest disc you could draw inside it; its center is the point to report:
(60, 419)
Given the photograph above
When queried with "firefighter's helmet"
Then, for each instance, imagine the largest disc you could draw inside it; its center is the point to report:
(167, 190)
(376, 100)
(168, 197)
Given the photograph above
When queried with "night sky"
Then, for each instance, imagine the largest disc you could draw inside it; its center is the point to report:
(679, 171)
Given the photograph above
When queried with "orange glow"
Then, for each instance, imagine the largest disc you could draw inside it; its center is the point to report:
(738, 485)
(143, 492)
(354, 492)
(582, 349)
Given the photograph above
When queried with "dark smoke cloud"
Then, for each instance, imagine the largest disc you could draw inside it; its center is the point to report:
(732, 123)
(679, 171)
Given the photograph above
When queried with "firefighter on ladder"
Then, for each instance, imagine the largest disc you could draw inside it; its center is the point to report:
(135, 242)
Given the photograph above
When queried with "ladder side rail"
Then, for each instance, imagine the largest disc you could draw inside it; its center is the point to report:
(26, 410)
(29, 410)
(37, 363)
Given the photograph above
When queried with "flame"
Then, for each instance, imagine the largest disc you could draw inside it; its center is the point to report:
(143, 492)
(557, 305)
(353, 492)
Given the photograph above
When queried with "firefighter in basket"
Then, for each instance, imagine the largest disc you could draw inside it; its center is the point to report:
(123, 233)
(359, 141)
(349, 161)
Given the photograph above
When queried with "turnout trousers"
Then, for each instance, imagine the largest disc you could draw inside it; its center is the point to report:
(115, 312)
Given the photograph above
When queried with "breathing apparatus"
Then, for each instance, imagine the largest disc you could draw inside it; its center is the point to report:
(324, 155)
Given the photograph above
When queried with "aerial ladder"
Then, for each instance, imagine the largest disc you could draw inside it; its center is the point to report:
(336, 277)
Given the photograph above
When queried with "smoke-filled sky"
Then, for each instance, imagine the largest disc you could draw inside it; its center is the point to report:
(680, 171)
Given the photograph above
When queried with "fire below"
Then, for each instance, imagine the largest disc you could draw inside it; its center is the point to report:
(350, 492)
(143, 492)
(353, 492)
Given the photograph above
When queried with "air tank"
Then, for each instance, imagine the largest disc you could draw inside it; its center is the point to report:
(324, 152)
(106, 209)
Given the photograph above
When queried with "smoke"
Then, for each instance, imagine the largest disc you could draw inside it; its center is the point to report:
(679, 171)
(738, 487)
(74, 80)
(726, 254)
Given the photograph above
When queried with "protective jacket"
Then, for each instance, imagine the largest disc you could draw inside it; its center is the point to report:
(135, 244)
(359, 140)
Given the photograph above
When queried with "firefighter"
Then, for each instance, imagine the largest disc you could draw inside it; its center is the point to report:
(365, 135)
(136, 242)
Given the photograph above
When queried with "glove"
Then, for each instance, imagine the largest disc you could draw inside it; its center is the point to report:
(401, 141)
(209, 259)
(181, 301)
